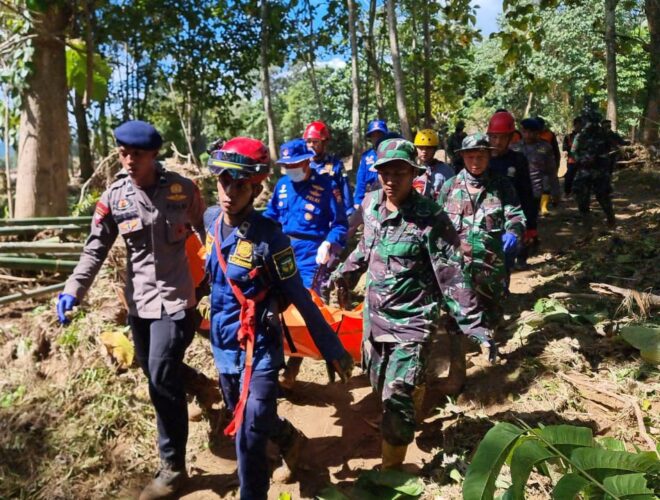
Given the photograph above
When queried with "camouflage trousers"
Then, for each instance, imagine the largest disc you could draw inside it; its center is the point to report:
(589, 181)
(397, 371)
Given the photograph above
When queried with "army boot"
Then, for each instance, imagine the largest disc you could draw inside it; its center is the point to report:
(290, 448)
(457, 366)
(165, 484)
(393, 456)
(287, 378)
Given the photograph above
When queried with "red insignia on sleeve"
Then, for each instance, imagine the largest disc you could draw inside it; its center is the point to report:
(337, 194)
(100, 212)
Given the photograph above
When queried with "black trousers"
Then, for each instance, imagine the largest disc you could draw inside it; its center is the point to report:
(160, 345)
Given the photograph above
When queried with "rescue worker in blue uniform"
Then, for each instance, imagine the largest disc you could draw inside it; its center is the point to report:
(367, 178)
(317, 136)
(154, 211)
(309, 208)
(254, 276)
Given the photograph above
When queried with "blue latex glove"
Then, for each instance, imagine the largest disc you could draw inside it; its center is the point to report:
(510, 242)
(65, 303)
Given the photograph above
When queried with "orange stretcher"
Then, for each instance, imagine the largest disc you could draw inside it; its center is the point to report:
(347, 324)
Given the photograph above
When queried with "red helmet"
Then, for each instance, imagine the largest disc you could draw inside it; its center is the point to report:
(242, 158)
(316, 130)
(501, 122)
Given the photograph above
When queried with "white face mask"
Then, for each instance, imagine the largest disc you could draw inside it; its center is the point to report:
(296, 174)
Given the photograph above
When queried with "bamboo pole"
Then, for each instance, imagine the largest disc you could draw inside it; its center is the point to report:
(33, 221)
(31, 294)
(29, 264)
(39, 248)
(67, 228)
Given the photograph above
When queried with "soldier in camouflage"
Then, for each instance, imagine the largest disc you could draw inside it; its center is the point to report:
(484, 209)
(590, 151)
(411, 254)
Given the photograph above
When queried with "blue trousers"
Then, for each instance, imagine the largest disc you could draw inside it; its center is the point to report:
(305, 253)
(159, 346)
(260, 424)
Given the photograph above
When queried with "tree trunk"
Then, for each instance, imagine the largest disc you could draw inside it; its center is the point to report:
(610, 56)
(528, 108)
(415, 66)
(103, 125)
(652, 116)
(10, 202)
(265, 81)
(427, 65)
(43, 147)
(372, 61)
(84, 150)
(355, 82)
(399, 87)
(311, 54)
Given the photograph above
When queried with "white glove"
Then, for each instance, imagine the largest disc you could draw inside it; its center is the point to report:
(323, 253)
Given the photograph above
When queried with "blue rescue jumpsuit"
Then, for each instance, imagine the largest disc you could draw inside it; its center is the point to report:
(259, 244)
(332, 167)
(310, 212)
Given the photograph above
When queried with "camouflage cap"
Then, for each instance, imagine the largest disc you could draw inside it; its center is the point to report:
(475, 141)
(395, 150)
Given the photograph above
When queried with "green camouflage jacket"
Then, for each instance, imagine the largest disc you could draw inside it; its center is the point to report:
(481, 221)
(412, 266)
(591, 146)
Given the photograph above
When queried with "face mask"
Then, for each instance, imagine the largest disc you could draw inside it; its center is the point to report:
(296, 174)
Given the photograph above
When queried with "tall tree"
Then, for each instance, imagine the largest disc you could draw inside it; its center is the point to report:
(265, 80)
(610, 56)
(372, 59)
(43, 148)
(652, 116)
(355, 82)
(399, 84)
(426, 64)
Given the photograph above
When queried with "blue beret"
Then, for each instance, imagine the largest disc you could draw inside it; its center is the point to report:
(138, 134)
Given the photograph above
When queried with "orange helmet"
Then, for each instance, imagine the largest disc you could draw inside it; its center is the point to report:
(501, 122)
(317, 130)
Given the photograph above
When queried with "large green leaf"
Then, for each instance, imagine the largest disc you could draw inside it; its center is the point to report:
(400, 481)
(568, 487)
(644, 338)
(628, 486)
(76, 71)
(525, 457)
(485, 467)
(566, 438)
(602, 463)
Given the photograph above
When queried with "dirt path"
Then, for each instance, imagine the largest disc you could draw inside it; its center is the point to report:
(342, 422)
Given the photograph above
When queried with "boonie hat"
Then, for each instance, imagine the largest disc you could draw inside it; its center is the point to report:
(475, 141)
(395, 150)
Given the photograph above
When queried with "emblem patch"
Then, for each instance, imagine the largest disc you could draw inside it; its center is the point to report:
(285, 263)
(176, 197)
(209, 243)
(308, 216)
(242, 255)
(100, 212)
(129, 226)
(337, 194)
(123, 204)
(176, 188)
(309, 207)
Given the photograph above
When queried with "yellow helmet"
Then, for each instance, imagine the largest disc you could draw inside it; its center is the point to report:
(426, 137)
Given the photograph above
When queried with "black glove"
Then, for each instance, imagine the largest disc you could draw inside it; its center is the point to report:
(489, 348)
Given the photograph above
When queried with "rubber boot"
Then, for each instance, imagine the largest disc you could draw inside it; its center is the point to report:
(165, 484)
(457, 366)
(393, 456)
(545, 199)
(287, 378)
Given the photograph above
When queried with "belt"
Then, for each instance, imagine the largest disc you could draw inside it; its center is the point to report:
(305, 237)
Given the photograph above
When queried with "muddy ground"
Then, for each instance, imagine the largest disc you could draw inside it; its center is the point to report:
(74, 426)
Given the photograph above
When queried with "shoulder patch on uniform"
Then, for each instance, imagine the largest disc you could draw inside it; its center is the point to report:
(242, 255)
(285, 263)
(100, 212)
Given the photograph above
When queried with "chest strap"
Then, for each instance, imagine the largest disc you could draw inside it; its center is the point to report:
(246, 333)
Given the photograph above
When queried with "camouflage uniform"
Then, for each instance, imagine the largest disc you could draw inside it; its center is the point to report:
(412, 261)
(541, 163)
(590, 150)
(480, 221)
